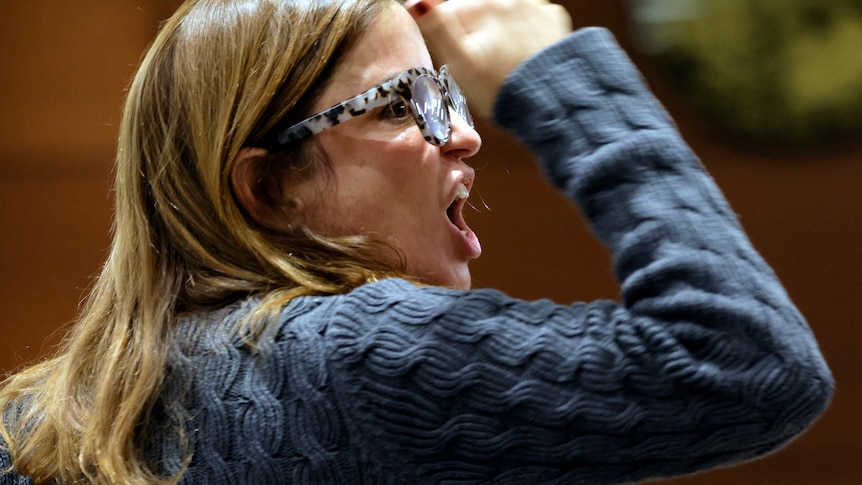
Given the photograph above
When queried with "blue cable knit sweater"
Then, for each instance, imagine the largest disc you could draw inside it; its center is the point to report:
(704, 362)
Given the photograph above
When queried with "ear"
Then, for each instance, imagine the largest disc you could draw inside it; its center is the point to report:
(245, 180)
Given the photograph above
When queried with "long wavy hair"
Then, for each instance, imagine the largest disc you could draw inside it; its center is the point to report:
(221, 75)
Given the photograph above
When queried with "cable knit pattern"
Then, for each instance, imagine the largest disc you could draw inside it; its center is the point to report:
(704, 362)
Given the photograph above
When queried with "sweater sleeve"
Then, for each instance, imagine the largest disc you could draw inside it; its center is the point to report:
(704, 362)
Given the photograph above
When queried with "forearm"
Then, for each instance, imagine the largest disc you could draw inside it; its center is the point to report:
(679, 251)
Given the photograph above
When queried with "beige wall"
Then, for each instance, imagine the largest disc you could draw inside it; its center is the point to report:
(64, 67)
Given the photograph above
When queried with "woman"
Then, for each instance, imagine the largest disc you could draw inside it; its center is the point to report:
(287, 297)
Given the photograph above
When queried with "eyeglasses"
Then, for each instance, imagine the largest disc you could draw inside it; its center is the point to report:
(427, 94)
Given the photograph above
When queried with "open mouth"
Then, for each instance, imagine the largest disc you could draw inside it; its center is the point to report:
(454, 211)
(470, 246)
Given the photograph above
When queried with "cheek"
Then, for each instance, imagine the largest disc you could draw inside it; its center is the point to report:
(374, 185)
(366, 164)
(310, 204)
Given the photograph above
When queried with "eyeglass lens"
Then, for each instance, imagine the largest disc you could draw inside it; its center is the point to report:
(459, 101)
(429, 102)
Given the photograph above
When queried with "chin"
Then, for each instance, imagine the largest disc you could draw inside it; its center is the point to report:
(454, 282)
(459, 280)
(456, 276)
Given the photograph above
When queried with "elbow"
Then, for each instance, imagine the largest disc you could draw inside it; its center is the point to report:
(802, 398)
(815, 395)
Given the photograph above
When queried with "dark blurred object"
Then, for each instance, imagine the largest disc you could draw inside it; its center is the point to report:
(787, 72)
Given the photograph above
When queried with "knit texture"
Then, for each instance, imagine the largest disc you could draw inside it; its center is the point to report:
(703, 362)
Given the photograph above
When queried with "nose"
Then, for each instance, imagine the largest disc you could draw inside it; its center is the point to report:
(464, 141)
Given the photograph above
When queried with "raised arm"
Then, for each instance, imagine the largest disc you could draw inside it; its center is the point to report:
(704, 362)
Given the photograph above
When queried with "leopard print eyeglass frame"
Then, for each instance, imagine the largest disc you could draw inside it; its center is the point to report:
(427, 95)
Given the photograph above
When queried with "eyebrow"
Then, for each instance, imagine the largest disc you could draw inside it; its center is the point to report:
(389, 77)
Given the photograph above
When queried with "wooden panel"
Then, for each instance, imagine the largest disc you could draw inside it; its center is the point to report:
(65, 66)
(55, 232)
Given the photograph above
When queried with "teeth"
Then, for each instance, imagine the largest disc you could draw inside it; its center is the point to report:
(463, 193)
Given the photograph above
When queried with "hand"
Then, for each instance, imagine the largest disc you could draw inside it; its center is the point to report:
(483, 40)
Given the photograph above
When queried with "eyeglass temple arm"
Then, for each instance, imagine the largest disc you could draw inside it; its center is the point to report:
(360, 104)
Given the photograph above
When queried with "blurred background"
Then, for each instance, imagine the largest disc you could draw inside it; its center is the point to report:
(767, 92)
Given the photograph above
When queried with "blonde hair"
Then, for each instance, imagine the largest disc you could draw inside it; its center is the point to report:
(220, 75)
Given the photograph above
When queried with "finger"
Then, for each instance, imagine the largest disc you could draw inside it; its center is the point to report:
(441, 26)
(418, 8)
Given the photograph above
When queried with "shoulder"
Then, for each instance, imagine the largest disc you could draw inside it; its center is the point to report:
(393, 318)
(397, 301)
(388, 314)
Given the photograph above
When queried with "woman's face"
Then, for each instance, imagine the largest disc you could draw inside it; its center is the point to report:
(389, 183)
